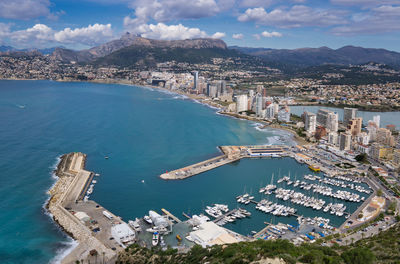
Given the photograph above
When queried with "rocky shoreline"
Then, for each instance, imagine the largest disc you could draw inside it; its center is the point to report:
(67, 171)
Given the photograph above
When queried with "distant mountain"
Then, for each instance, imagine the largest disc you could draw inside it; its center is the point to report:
(125, 41)
(18, 53)
(43, 51)
(46, 51)
(68, 55)
(305, 57)
(6, 48)
(149, 56)
(134, 48)
(148, 52)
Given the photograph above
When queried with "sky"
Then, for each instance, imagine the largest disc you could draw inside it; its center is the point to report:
(284, 24)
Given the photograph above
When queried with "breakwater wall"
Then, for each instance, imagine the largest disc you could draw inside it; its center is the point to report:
(230, 154)
(71, 180)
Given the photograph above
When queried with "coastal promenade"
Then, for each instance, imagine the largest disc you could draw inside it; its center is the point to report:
(65, 197)
(230, 154)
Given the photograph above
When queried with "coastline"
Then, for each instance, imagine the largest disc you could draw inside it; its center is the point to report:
(364, 108)
(71, 175)
(196, 98)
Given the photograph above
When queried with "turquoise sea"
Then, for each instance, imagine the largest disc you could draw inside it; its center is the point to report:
(143, 131)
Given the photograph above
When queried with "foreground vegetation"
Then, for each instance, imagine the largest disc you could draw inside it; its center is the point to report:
(383, 248)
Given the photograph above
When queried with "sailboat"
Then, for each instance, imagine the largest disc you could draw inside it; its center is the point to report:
(289, 182)
(270, 187)
(296, 182)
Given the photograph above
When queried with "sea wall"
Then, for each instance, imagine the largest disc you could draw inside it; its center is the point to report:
(67, 175)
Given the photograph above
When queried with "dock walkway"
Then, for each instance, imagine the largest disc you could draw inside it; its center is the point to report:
(224, 215)
(176, 219)
(230, 154)
(197, 168)
(265, 229)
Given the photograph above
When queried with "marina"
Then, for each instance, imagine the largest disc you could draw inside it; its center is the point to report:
(141, 164)
(283, 204)
(286, 198)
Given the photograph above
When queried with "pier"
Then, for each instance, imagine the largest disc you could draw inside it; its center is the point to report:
(167, 213)
(259, 233)
(66, 201)
(224, 215)
(230, 154)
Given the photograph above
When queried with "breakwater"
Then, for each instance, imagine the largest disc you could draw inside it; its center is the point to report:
(72, 178)
(230, 154)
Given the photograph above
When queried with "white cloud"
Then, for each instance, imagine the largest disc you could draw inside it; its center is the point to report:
(238, 36)
(38, 34)
(218, 35)
(168, 10)
(41, 35)
(90, 35)
(257, 36)
(367, 3)
(169, 32)
(382, 19)
(255, 3)
(296, 16)
(272, 34)
(24, 9)
(4, 29)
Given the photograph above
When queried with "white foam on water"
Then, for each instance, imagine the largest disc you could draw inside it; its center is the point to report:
(70, 244)
(64, 251)
(54, 177)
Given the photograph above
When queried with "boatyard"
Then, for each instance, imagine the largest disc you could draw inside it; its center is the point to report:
(300, 207)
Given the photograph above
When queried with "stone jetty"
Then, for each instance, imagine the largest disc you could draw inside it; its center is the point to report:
(72, 178)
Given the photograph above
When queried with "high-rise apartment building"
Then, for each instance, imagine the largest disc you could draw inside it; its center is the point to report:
(345, 141)
(310, 122)
(349, 113)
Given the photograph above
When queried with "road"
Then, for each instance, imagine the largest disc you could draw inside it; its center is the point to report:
(368, 232)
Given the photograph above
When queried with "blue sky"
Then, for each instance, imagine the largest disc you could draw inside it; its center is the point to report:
(253, 23)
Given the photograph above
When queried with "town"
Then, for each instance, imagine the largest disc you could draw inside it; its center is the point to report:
(360, 159)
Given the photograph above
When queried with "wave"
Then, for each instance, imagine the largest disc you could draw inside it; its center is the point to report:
(207, 105)
(70, 244)
(176, 97)
(54, 177)
(66, 248)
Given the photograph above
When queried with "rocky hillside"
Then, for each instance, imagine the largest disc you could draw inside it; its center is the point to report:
(305, 57)
(132, 43)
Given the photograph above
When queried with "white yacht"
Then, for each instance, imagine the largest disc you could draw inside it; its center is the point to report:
(148, 219)
(155, 239)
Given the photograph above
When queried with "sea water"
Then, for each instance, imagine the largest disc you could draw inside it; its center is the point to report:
(144, 132)
(387, 118)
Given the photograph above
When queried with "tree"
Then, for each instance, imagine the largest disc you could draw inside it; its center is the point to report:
(379, 192)
(362, 158)
(358, 256)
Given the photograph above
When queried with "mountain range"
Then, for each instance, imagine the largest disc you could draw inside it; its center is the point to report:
(305, 57)
(130, 50)
(44, 51)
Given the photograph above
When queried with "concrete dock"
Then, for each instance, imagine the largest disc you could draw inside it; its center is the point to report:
(230, 154)
(66, 201)
(167, 213)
